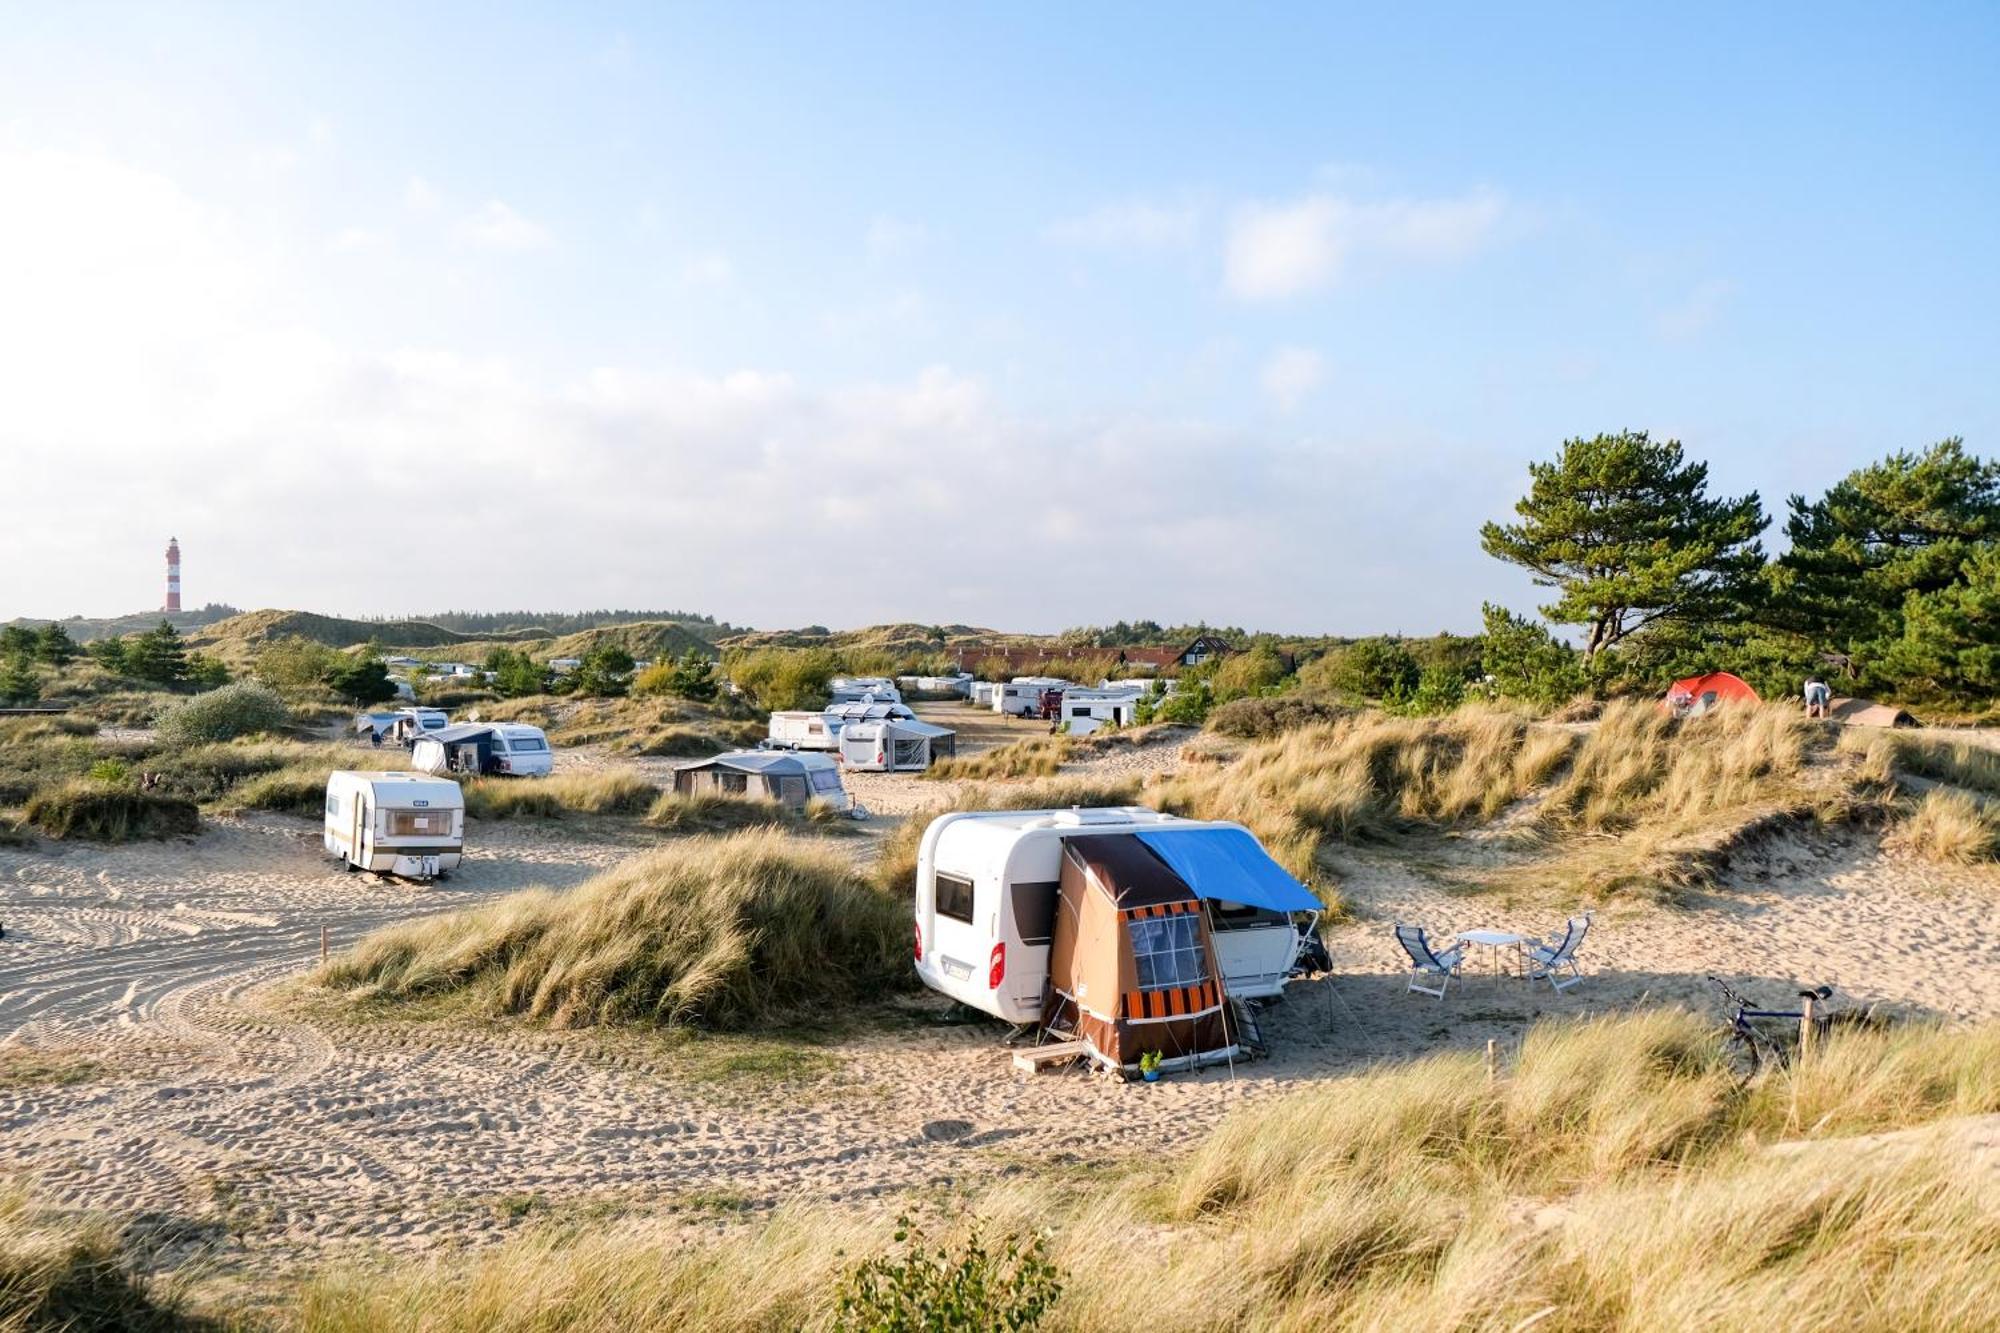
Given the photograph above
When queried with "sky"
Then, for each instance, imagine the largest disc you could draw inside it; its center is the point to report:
(1021, 316)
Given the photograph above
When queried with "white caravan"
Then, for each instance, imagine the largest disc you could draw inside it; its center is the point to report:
(1022, 696)
(895, 745)
(802, 730)
(852, 689)
(407, 824)
(411, 723)
(510, 749)
(1085, 710)
(987, 885)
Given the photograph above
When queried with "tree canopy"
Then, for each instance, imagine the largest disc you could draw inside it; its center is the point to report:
(1624, 529)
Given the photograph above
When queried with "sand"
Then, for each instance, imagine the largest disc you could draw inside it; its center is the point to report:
(211, 1105)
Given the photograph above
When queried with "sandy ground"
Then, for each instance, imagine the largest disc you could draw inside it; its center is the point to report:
(247, 1129)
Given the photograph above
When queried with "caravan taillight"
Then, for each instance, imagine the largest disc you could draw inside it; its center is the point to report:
(996, 970)
(920, 941)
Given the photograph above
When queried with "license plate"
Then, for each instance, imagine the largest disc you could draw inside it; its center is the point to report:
(956, 970)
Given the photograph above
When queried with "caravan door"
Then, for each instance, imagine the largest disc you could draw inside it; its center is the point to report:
(359, 851)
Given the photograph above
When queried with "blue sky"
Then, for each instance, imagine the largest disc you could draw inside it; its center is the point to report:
(1023, 317)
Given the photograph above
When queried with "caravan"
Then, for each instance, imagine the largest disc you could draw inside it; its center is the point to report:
(406, 824)
(802, 730)
(988, 884)
(853, 689)
(1085, 710)
(1030, 696)
(895, 745)
(511, 749)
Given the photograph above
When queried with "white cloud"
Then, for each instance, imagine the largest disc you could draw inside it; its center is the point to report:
(1695, 313)
(1129, 226)
(354, 240)
(420, 196)
(1279, 250)
(712, 269)
(1292, 374)
(495, 226)
(320, 131)
(889, 236)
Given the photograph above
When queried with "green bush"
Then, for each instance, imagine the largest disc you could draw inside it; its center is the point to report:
(1261, 719)
(937, 1290)
(223, 714)
(97, 813)
(292, 791)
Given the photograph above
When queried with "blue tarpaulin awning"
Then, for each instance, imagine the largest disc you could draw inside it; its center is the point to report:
(1227, 865)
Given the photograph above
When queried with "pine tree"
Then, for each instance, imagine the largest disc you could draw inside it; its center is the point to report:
(157, 656)
(54, 645)
(1625, 530)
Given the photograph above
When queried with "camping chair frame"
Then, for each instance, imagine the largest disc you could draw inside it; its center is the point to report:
(1548, 961)
(1427, 963)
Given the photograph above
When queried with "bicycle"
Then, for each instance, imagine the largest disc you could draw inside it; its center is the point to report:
(1763, 1048)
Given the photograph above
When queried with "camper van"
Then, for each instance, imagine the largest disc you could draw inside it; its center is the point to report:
(510, 749)
(1028, 696)
(407, 824)
(988, 882)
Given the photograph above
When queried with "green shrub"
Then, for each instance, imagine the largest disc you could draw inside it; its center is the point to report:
(97, 813)
(291, 791)
(1261, 719)
(936, 1290)
(223, 714)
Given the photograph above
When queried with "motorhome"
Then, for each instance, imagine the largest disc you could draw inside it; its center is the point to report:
(406, 824)
(1085, 710)
(988, 884)
(852, 689)
(1028, 696)
(895, 745)
(508, 749)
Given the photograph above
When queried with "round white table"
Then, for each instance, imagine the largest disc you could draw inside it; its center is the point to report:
(1494, 941)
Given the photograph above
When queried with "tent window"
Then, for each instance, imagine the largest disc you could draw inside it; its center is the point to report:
(734, 782)
(1035, 910)
(825, 779)
(792, 791)
(1168, 951)
(954, 897)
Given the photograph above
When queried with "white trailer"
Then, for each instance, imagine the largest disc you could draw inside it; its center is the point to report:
(852, 689)
(406, 824)
(1085, 710)
(895, 745)
(1022, 696)
(988, 881)
(802, 730)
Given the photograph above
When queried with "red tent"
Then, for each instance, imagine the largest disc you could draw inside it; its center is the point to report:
(1697, 694)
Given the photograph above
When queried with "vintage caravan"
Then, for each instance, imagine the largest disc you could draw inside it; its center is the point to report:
(775, 775)
(407, 824)
(802, 730)
(852, 689)
(1026, 696)
(988, 883)
(510, 749)
(895, 745)
(1085, 710)
(411, 723)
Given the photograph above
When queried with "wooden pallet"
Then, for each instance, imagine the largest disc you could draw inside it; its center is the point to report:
(1034, 1059)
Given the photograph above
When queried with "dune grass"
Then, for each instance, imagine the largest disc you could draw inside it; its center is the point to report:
(614, 791)
(1616, 1175)
(1035, 757)
(1960, 763)
(62, 1271)
(1947, 826)
(719, 812)
(717, 933)
(103, 812)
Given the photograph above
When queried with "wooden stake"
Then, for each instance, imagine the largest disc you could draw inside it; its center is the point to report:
(1492, 1059)
(322, 944)
(1806, 1024)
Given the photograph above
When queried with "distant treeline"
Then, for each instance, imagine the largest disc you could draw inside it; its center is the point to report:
(557, 622)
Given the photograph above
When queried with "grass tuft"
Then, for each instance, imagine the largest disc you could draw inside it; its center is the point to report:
(617, 791)
(97, 812)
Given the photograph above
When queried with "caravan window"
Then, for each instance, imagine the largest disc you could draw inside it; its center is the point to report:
(1168, 951)
(414, 823)
(333, 803)
(954, 897)
(1035, 910)
(524, 744)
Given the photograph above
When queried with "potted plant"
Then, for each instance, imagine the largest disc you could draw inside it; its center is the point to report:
(1149, 1066)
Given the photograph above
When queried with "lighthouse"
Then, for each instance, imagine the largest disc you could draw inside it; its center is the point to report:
(173, 574)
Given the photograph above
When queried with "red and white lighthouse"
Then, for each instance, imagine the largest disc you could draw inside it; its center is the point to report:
(173, 574)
